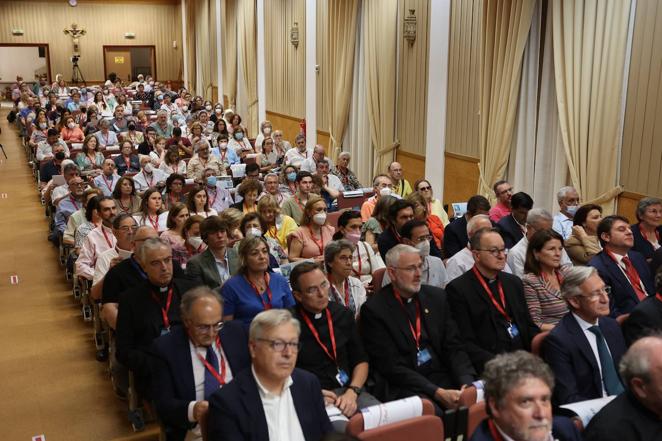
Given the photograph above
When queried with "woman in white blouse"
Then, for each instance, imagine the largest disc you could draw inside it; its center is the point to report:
(197, 202)
(344, 289)
(172, 163)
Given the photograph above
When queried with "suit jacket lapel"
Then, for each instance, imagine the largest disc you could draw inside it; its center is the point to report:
(251, 400)
(301, 402)
(584, 347)
(617, 274)
(399, 316)
(429, 319)
(210, 262)
(184, 359)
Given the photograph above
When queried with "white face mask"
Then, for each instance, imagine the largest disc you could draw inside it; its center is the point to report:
(208, 108)
(386, 191)
(218, 111)
(223, 145)
(424, 248)
(147, 168)
(253, 232)
(267, 130)
(194, 241)
(319, 218)
(71, 125)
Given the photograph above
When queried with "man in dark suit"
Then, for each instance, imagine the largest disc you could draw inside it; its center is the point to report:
(513, 226)
(411, 337)
(218, 262)
(272, 401)
(635, 415)
(148, 310)
(646, 317)
(488, 304)
(518, 388)
(624, 270)
(193, 361)
(455, 233)
(584, 348)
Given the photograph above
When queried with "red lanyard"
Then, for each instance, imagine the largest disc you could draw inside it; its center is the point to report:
(219, 377)
(396, 235)
(164, 312)
(319, 245)
(659, 296)
(333, 356)
(106, 137)
(73, 201)
(211, 201)
(296, 199)
(645, 236)
(127, 161)
(266, 305)
(499, 306)
(358, 258)
(415, 333)
(224, 153)
(346, 285)
(496, 436)
(155, 223)
(126, 209)
(109, 186)
(151, 180)
(110, 245)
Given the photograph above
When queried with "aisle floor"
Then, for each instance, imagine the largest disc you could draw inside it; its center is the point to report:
(50, 382)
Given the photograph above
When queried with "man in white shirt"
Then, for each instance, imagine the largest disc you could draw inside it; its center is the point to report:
(538, 219)
(568, 199)
(310, 163)
(149, 176)
(272, 401)
(296, 155)
(332, 184)
(193, 362)
(107, 180)
(45, 148)
(463, 261)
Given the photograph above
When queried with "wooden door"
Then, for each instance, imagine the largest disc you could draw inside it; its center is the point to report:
(119, 61)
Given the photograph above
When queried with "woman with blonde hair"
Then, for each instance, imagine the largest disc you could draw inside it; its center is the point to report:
(307, 241)
(278, 226)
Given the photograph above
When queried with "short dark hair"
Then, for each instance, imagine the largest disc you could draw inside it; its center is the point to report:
(176, 131)
(582, 213)
(408, 227)
(92, 204)
(172, 178)
(252, 167)
(536, 243)
(477, 203)
(211, 225)
(521, 200)
(117, 220)
(344, 219)
(497, 183)
(303, 174)
(606, 223)
(250, 217)
(474, 241)
(399, 204)
(52, 132)
(299, 270)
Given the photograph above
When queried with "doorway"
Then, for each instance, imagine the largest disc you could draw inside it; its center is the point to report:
(127, 62)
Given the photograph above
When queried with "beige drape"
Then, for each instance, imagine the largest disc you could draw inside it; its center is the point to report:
(203, 54)
(505, 30)
(379, 30)
(342, 18)
(589, 55)
(247, 38)
(190, 43)
(229, 39)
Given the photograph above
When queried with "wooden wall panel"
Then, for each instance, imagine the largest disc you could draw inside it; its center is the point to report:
(153, 23)
(290, 127)
(627, 205)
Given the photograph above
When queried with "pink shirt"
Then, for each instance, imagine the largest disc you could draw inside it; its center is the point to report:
(498, 211)
(97, 241)
(313, 246)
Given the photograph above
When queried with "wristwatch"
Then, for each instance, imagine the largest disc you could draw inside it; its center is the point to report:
(357, 390)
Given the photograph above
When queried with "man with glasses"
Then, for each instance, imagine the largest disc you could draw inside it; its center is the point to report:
(194, 361)
(334, 350)
(272, 401)
(622, 268)
(401, 186)
(107, 180)
(488, 303)
(503, 192)
(382, 186)
(201, 161)
(411, 337)
(585, 347)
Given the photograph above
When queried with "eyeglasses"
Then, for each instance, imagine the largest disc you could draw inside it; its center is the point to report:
(591, 297)
(428, 188)
(280, 345)
(317, 289)
(209, 328)
(496, 252)
(411, 269)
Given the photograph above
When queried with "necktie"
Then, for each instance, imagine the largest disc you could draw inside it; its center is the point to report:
(633, 277)
(610, 378)
(211, 383)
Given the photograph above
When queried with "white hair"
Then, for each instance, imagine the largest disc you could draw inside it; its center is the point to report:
(573, 279)
(393, 255)
(471, 224)
(563, 191)
(267, 320)
(536, 215)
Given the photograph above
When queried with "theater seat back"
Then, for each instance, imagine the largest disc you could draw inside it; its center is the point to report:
(477, 413)
(423, 428)
(355, 424)
(536, 343)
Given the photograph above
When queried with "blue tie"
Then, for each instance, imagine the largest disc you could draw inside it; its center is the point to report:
(610, 378)
(211, 383)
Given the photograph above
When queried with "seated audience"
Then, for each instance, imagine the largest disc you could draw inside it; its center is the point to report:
(174, 235)
(197, 202)
(273, 400)
(585, 347)
(307, 241)
(280, 145)
(401, 186)
(51, 167)
(424, 187)
(268, 158)
(252, 225)
(71, 132)
(69, 205)
(107, 180)
(220, 198)
(173, 193)
(45, 148)
(622, 268)
(299, 153)
(518, 395)
(512, 226)
(543, 276)
(271, 188)
(233, 218)
(430, 361)
(382, 186)
(293, 207)
(125, 196)
(636, 414)
(225, 156)
(201, 161)
(647, 231)
(278, 226)
(151, 211)
(646, 317)
(455, 234)
(503, 192)
(194, 361)
(132, 134)
(568, 200)
(148, 177)
(288, 182)
(78, 217)
(105, 136)
(399, 213)
(218, 262)
(127, 161)
(334, 350)
(347, 177)
(583, 242)
(173, 163)
(488, 304)
(364, 260)
(162, 126)
(100, 239)
(90, 160)
(249, 190)
(344, 289)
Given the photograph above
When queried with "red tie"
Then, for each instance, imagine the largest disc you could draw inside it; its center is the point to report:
(633, 276)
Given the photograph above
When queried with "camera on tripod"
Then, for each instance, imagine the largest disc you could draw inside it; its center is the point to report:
(74, 59)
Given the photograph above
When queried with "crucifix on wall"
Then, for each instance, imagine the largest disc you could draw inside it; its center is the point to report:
(75, 35)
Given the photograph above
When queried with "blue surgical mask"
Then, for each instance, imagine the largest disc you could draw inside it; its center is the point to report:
(211, 181)
(572, 209)
(292, 177)
(239, 136)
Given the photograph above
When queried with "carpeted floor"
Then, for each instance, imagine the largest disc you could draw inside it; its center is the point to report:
(49, 380)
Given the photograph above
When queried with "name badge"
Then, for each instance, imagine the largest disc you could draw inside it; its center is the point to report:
(342, 378)
(423, 356)
(513, 331)
(165, 331)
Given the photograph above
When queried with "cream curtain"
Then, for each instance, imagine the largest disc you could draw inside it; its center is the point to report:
(379, 27)
(589, 56)
(505, 31)
(203, 54)
(246, 34)
(190, 42)
(342, 18)
(229, 41)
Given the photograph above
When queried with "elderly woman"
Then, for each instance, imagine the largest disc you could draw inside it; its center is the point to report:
(125, 197)
(265, 132)
(421, 212)
(277, 226)
(105, 136)
(254, 289)
(583, 242)
(174, 191)
(346, 176)
(646, 232)
(174, 235)
(308, 241)
(126, 161)
(198, 202)
(252, 225)
(90, 160)
(364, 259)
(543, 276)
(249, 191)
(435, 206)
(345, 289)
(71, 132)
(151, 211)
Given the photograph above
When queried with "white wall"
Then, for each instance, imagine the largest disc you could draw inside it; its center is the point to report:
(20, 60)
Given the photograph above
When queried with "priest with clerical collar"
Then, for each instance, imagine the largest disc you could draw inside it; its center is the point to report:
(333, 348)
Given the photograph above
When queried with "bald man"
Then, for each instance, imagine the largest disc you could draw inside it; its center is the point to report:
(401, 186)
